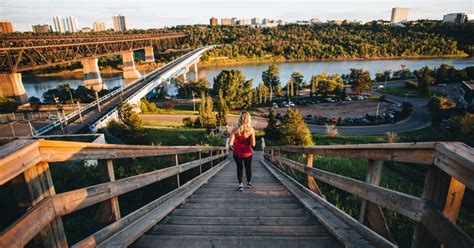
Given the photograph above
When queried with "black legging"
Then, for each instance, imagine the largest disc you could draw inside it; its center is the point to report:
(248, 168)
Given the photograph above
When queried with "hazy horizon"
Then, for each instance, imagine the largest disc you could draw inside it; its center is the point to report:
(144, 14)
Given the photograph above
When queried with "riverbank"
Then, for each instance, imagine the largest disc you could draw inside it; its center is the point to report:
(142, 67)
(225, 61)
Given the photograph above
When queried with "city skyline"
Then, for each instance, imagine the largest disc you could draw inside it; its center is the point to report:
(143, 14)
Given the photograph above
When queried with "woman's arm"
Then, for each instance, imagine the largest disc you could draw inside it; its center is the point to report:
(253, 143)
(232, 138)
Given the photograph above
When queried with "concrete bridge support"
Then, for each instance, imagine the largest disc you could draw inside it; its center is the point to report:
(196, 74)
(129, 70)
(149, 55)
(92, 77)
(11, 85)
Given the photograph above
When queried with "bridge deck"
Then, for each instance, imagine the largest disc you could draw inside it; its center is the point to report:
(217, 215)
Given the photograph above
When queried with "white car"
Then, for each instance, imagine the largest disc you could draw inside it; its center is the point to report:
(285, 105)
(291, 104)
(275, 105)
(381, 87)
(348, 98)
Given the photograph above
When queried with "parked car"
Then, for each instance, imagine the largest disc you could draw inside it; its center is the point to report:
(285, 104)
(333, 120)
(441, 85)
(308, 117)
(275, 105)
(359, 97)
(291, 104)
(348, 98)
(381, 87)
(329, 100)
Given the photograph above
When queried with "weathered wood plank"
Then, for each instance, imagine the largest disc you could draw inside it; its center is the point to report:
(127, 236)
(420, 153)
(409, 206)
(16, 157)
(310, 182)
(455, 169)
(57, 151)
(109, 210)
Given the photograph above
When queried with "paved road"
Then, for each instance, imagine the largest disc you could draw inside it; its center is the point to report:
(257, 122)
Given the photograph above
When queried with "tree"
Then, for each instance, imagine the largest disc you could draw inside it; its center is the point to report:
(272, 131)
(184, 89)
(297, 78)
(207, 117)
(222, 110)
(313, 86)
(236, 90)
(294, 129)
(131, 124)
(360, 80)
(290, 86)
(7, 104)
(262, 93)
(462, 128)
(35, 102)
(271, 78)
(200, 86)
(424, 79)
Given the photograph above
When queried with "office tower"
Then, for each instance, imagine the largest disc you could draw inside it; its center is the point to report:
(255, 21)
(243, 22)
(72, 26)
(213, 21)
(59, 24)
(6, 27)
(399, 15)
(455, 18)
(120, 23)
(99, 26)
(41, 28)
(226, 21)
(233, 21)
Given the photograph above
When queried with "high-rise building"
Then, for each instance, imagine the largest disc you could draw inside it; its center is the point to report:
(120, 23)
(243, 22)
(399, 15)
(226, 21)
(42, 28)
(455, 18)
(59, 24)
(233, 21)
(99, 26)
(213, 21)
(72, 25)
(255, 21)
(6, 27)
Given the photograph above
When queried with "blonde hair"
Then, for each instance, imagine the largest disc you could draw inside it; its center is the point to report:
(245, 123)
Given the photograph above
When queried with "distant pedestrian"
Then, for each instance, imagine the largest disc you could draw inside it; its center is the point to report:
(242, 139)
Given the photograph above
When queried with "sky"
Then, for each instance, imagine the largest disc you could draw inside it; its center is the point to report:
(143, 14)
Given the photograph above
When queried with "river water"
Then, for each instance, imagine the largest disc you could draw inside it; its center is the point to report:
(36, 86)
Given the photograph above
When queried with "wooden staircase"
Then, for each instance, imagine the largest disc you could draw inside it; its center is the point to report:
(218, 215)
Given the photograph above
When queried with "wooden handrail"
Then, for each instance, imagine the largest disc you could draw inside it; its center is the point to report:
(22, 156)
(431, 211)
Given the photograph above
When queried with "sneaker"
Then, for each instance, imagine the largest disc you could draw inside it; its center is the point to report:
(241, 187)
(249, 185)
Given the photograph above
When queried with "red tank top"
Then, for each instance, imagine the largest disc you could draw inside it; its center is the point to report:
(242, 148)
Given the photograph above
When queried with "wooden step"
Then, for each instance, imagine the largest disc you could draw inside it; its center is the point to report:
(313, 231)
(192, 241)
(189, 205)
(248, 200)
(241, 212)
(241, 221)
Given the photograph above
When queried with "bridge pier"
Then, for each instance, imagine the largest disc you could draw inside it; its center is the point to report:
(92, 77)
(196, 74)
(11, 85)
(129, 70)
(149, 54)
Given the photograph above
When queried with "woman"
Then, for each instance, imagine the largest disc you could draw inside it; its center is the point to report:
(242, 138)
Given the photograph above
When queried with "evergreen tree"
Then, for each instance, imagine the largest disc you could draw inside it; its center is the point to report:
(424, 79)
(297, 78)
(294, 129)
(271, 78)
(132, 124)
(272, 131)
(222, 110)
(237, 91)
(207, 117)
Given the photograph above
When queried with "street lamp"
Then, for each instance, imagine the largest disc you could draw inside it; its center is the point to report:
(194, 103)
(70, 94)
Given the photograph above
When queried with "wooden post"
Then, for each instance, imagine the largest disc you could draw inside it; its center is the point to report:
(200, 166)
(443, 192)
(371, 214)
(32, 187)
(310, 182)
(175, 162)
(109, 210)
(212, 161)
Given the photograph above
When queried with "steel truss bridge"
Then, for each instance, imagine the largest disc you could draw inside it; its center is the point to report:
(23, 53)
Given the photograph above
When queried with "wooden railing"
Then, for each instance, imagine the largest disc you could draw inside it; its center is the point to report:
(24, 165)
(451, 169)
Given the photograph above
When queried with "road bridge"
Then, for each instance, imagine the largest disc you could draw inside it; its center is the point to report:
(281, 210)
(97, 114)
(24, 53)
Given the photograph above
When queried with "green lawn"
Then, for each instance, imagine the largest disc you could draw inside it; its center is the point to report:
(402, 91)
(170, 124)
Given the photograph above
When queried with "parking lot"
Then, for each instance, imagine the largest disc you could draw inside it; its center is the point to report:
(340, 109)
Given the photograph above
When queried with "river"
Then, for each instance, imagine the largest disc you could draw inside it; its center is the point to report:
(36, 86)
